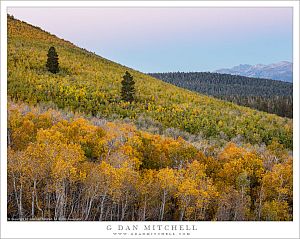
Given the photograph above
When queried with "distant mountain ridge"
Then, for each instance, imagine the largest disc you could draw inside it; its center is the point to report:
(282, 71)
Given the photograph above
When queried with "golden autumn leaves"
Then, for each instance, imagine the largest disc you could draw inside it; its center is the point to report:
(70, 169)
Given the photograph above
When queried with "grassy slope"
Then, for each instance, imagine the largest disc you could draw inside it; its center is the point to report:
(91, 84)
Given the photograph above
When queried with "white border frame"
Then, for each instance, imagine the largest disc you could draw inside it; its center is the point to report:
(99, 229)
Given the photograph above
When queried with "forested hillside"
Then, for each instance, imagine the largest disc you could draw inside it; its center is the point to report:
(78, 151)
(91, 84)
(263, 94)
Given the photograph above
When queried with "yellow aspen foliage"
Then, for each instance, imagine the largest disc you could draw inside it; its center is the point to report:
(278, 183)
(167, 179)
(237, 161)
(63, 168)
(276, 211)
(194, 192)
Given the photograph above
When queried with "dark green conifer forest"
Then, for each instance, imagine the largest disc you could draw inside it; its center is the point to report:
(267, 95)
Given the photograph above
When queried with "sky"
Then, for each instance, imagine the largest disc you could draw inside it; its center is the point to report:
(172, 39)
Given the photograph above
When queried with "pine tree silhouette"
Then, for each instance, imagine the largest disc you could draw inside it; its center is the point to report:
(128, 90)
(52, 61)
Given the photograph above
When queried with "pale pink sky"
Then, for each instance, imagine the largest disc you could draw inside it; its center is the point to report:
(162, 39)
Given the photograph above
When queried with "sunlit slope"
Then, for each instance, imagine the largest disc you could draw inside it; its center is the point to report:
(91, 84)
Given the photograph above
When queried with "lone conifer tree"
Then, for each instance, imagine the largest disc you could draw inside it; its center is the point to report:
(52, 61)
(128, 91)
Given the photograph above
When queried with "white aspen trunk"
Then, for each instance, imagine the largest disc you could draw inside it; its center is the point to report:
(89, 208)
(32, 204)
(57, 204)
(64, 201)
(20, 205)
(102, 207)
(124, 208)
(163, 206)
(145, 207)
(71, 211)
(86, 207)
(60, 209)
(73, 204)
(60, 202)
(260, 202)
(49, 204)
(16, 195)
(36, 199)
(181, 214)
